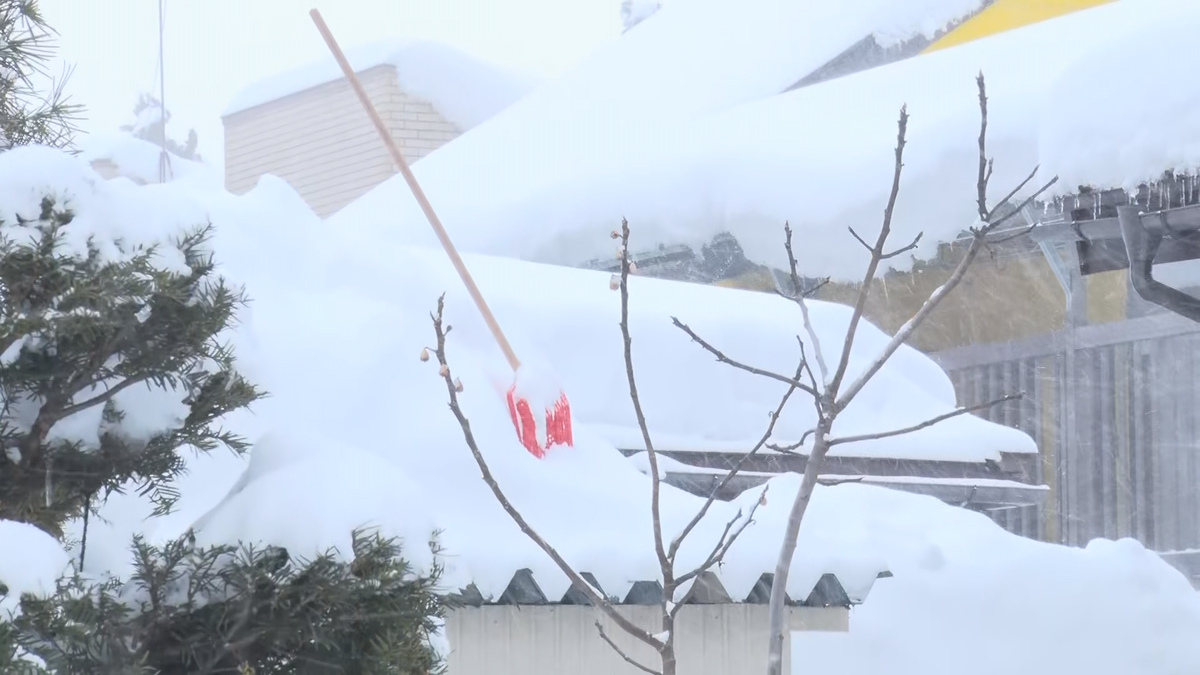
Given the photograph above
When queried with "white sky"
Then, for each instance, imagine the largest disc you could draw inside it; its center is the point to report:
(214, 48)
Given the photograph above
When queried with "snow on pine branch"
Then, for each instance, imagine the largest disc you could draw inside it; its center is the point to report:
(109, 313)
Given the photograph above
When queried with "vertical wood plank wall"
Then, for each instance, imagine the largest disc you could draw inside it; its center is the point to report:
(1132, 470)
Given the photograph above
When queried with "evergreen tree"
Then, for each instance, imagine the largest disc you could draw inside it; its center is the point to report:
(83, 323)
(27, 114)
(189, 611)
(77, 328)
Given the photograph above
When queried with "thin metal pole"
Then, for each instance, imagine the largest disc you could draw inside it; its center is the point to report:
(163, 159)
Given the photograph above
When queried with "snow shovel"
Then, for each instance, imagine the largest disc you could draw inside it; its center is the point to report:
(556, 425)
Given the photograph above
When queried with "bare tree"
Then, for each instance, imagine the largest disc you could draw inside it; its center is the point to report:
(677, 585)
(836, 391)
(831, 393)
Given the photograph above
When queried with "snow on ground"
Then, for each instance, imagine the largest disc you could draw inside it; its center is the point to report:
(465, 90)
(357, 432)
(138, 159)
(31, 561)
(821, 156)
(1019, 607)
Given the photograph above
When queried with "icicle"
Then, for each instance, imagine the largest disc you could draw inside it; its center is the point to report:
(49, 479)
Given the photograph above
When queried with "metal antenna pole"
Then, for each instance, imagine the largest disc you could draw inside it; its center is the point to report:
(164, 160)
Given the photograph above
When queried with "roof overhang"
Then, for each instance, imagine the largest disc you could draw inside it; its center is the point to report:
(1111, 231)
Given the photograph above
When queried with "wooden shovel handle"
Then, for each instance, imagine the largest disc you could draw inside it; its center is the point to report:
(398, 158)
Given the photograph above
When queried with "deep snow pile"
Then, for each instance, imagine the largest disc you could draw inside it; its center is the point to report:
(31, 561)
(138, 159)
(357, 432)
(683, 161)
(1019, 607)
(465, 90)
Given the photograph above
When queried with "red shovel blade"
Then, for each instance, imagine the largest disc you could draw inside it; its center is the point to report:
(556, 423)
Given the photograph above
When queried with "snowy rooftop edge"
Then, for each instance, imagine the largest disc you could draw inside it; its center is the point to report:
(364, 57)
(678, 188)
(523, 589)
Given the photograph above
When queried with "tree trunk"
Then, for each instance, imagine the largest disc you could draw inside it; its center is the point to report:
(776, 620)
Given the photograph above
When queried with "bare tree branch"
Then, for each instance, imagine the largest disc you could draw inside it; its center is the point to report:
(877, 252)
(957, 412)
(733, 472)
(891, 254)
(728, 538)
(655, 478)
(1012, 193)
(595, 597)
(905, 249)
(991, 226)
(621, 652)
(666, 563)
(828, 410)
(985, 172)
(800, 300)
(977, 243)
(791, 381)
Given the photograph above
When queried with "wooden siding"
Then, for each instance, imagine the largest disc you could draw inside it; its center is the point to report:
(323, 144)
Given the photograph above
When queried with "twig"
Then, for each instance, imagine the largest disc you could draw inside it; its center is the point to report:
(991, 226)
(664, 561)
(621, 652)
(596, 598)
(790, 448)
(800, 300)
(927, 423)
(721, 357)
(978, 241)
(733, 472)
(985, 174)
(727, 539)
(892, 254)
(1011, 193)
(877, 253)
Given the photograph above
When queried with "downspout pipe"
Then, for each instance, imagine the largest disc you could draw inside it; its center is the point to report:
(1141, 246)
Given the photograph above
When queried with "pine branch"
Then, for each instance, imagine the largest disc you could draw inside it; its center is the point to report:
(101, 398)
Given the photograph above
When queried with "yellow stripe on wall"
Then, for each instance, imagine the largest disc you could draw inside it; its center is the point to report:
(1005, 15)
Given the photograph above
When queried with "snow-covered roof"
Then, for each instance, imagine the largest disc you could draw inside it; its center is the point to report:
(138, 159)
(356, 433)
(465, 90)
(820, 156)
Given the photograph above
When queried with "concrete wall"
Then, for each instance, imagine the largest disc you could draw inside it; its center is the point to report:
(723, 639)
(323, 144)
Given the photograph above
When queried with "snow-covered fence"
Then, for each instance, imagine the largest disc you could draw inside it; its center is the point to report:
(1120, 461)
(524, 632)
